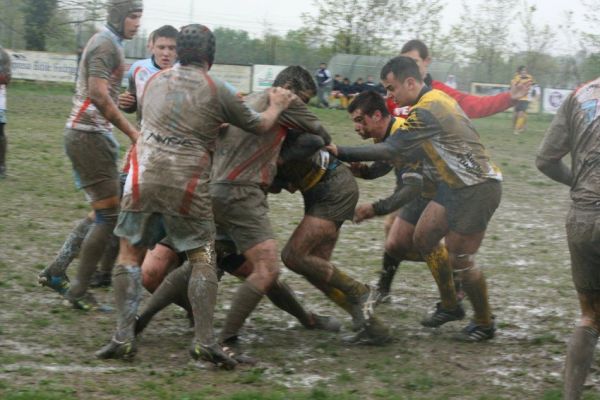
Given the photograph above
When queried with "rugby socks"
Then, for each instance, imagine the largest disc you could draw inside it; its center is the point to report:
(92, 249)
(107, 262)
(172, 290)
(346, 284)
(127, 284)
(335, 295)
(475, 287)
(244, 302)
(70, 248)
(441, 270)
(388, 270)
(202, 293)
(282, 296)
(580, 355)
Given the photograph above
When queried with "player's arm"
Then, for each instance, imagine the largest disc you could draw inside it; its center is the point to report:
(128, 99)
(299, 117)
(371, 171)
(300, 146)
(555, 146)
(100, 97)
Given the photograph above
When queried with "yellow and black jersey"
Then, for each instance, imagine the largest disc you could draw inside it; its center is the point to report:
(439, 135)
(518, 78)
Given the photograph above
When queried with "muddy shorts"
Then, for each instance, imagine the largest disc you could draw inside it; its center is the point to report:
(583, 236)
(242, 213)
(412, 211)
(147, 229)
(94, 157)
(469, 209)
(521, 105)
(334, 198)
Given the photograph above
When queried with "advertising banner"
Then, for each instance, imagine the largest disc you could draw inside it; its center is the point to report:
(553, 98)
(264, 75)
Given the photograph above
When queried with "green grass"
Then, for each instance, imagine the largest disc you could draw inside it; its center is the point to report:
(46, 349)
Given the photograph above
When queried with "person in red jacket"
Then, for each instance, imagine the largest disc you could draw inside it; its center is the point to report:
(474, 107)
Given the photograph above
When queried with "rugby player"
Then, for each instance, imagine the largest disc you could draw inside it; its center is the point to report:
(468, 184)
(575, 131)
(519, 121)
(92, 149)
(166, 192)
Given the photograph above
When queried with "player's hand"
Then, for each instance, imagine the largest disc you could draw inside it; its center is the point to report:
(520, 90)
(281, 98)
(363, 212)
(356, 168)
(127, 101)
(133, 136)
(332, 148)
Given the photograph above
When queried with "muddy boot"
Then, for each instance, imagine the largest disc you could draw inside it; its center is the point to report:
(362, 307)
(87, 302)
(214, 354)
(374, 333)
(119, 350)
(101, 279)
(440, 316)
(60, 284)
(324, 323)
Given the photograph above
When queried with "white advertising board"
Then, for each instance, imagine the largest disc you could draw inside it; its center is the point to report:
(553, 98)
(240, 76)
(264, 75)
(42, 66)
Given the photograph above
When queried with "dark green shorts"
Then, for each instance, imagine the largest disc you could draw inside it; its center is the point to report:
(469, 209)
(412, 211)
(583, 236)
(334, 198)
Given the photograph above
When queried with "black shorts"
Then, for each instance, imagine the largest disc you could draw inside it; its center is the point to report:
(412, 211)
(469, 209)
(521, 105)
(583, 236)
(334, 198)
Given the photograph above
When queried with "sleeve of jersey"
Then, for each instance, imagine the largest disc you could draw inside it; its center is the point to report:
(301, 147)
(235, 110)
(299, 117)
(103, 60)
(477, 106)
(555, 144)
(406, 142)
(376, 170)
(401, 196)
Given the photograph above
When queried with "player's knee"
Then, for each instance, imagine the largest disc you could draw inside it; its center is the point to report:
(107, 216)
(423, 244)
(462, 263)
(290, 257)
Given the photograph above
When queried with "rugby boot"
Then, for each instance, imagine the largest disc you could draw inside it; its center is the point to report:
(60, 284)
(325, 323)
(362, 307)
(233, 348)
(101, 279)
(87, 302)
(118, 350)
(213, 353)
(440, 316)
(374, 333)
(476, 333)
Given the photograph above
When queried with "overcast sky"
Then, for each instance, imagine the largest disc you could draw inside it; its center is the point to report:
(279, 16)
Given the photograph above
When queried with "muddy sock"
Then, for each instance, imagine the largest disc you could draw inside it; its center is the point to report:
(70, 248)
(335, 295)
(107, 262)
(580, 355)
(441, 270)
(127, 284)
(475, 287)
(346, 284)
(92, 249)
(171, 290)
(202, 293)
(388, 270)
(283, 297)
(244, 302)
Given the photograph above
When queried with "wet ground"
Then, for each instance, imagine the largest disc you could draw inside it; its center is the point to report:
(46, 348)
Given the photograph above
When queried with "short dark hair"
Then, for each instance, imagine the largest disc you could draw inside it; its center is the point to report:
(369, 102)
(521, 68)
(166, 31)
(418, 45)
(402, 67)
(297, 79)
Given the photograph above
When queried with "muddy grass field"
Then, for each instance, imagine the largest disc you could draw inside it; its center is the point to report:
(46, 348)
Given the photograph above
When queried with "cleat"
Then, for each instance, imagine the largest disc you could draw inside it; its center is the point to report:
(60, 284)
(363, 308)
(383, 297)
(373, 333)
(117, 350)
(476, 333)
(325, 323)
(440, 316)
(101, 279)
(87, 303)
(213, 353)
